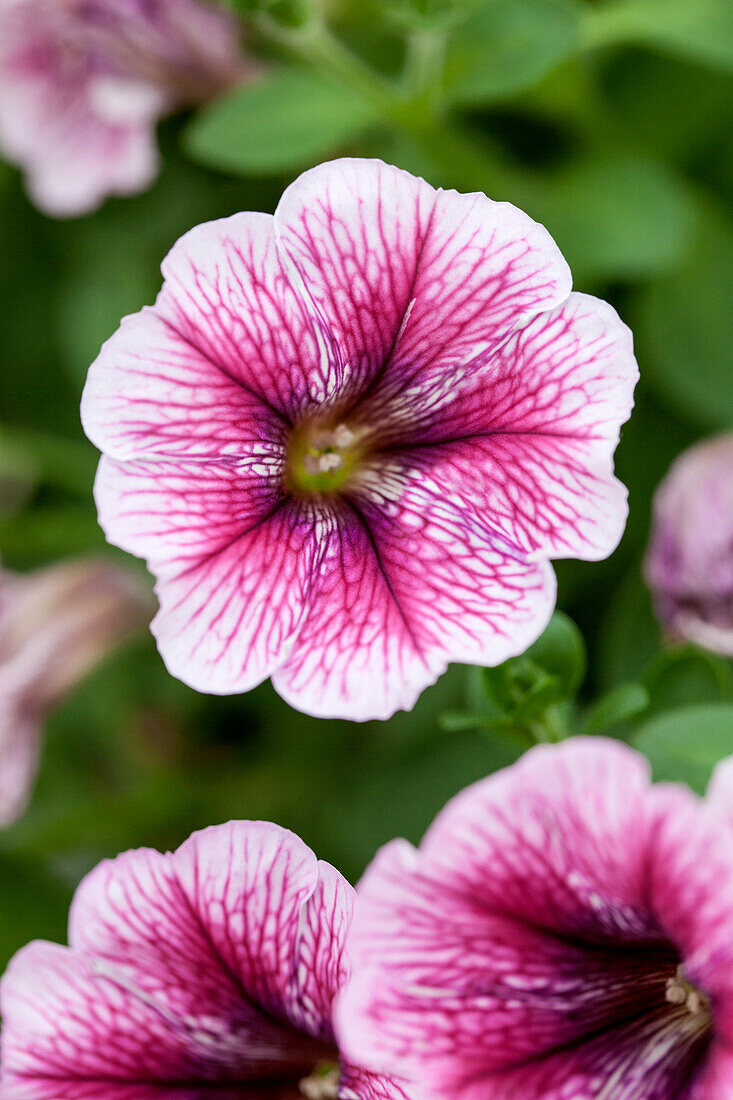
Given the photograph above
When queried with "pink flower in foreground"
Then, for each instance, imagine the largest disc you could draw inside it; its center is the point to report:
(208, 974)
(689, 562)
(83, 82)
(56, 624)
(564, 932)
(347, 439)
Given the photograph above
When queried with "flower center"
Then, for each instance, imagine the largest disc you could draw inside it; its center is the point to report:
(323, 1083)
(680, 991)
(321, 458)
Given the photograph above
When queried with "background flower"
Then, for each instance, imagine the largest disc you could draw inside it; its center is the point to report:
(348, 438)
(564, 929)
(689, 562)
(56, 624)
(82, 85)
(210, 972)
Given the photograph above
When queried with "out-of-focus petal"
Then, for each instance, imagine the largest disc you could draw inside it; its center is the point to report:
(56, 624)
(82, 86)
(241, 924)
(689, 560)
(719, 795)
(493, 943)
(20, 737)
(359, 1084)
(276, 916)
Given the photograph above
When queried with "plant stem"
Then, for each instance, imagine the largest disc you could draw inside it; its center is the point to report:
(550, 728)
(411, 107)
(315, 44)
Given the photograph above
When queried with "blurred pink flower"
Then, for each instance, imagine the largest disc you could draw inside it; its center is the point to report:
(208, 974)
(56, 624)
(563, 932)
(348, 438)
(83, 82)
(689, 561)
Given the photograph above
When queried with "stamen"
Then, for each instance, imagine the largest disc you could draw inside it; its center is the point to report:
(322, 458)
(323, 1083)
(680, 991)
(323, 463)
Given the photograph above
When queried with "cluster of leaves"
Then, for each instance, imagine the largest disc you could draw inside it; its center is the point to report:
(679, 712)
(608, 120)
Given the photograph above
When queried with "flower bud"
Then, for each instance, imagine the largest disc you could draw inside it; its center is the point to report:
(56, 624)
(689, 561)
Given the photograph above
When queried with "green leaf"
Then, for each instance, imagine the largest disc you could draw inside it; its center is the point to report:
(618, 705)
(629, 633)
(288, 119)
(698, 29)
(36, 903)
(697, 99)
(684, 328)
(456, 721)
(507, 46)
(685, 744)
(684, 674)
(50, 531)
(550, 671)
(560, 651)
(619, 216)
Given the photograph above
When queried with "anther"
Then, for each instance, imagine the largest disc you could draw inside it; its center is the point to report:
(680, 991)
(321, 1085)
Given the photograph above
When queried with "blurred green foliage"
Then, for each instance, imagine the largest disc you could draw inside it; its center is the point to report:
(609, 120)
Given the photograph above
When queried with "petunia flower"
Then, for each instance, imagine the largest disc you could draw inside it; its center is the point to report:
(563, 932)
(689, 561)
(348, 437)
(83, 83)
(205, 974)
(56, 624)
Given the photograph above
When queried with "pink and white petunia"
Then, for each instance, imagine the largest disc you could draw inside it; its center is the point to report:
(563, 932)
(689, 560)
(83, 83)
(56, 625)
(348, 438)
(205, 974)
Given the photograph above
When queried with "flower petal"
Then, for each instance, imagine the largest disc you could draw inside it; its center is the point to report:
(405, 585)
(228, 295)
(20, 736)
(49, 1089)
(359, 1084)
(691, 887)
(217, 964)
(528, 440)
(716, 1078)
(493, 942)
(411, 280)
(231, 555)
(150, 393)
(241, 918)
(64, 1019)
(276, 916)
(644, 1059)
